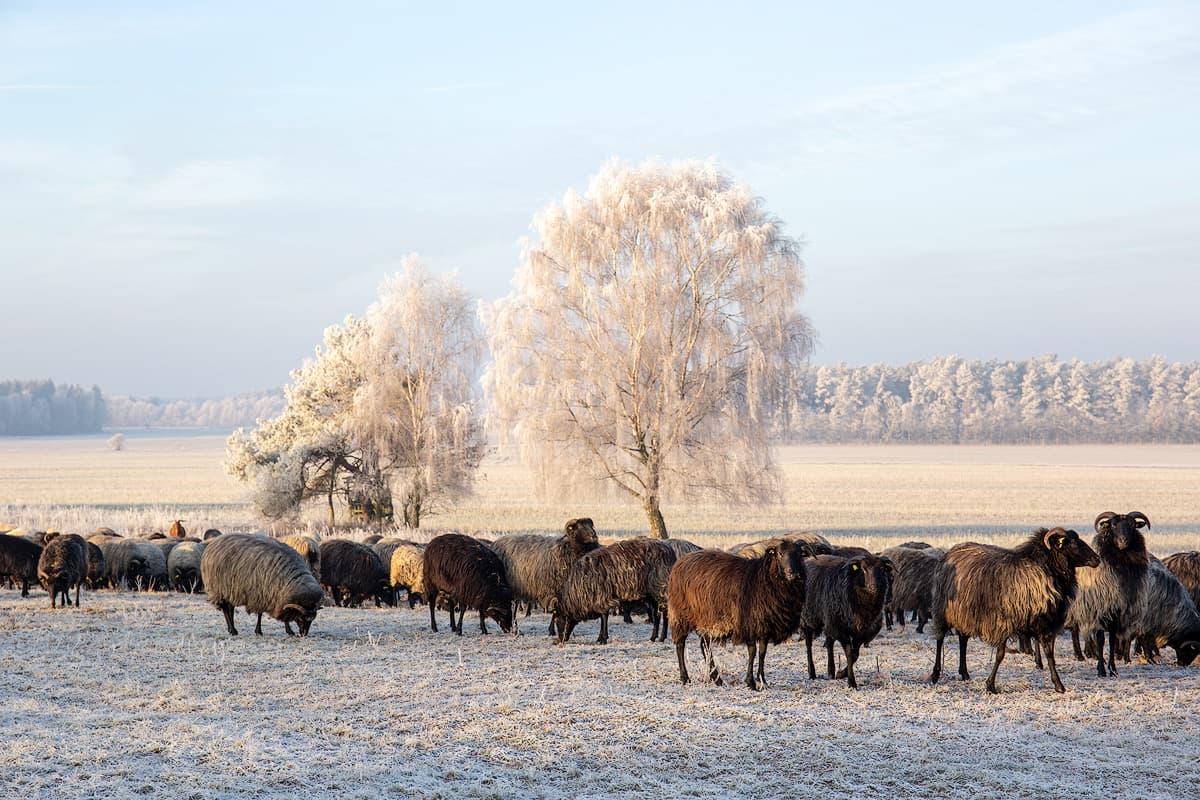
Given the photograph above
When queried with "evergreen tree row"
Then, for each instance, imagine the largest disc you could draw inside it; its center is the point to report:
(955, 400)
(40, 408)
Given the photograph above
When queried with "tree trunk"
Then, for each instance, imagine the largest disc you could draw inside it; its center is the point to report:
(332, 518)
(658, 526)
(412, 513)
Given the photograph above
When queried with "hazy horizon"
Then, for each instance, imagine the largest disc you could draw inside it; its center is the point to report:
(193, 193)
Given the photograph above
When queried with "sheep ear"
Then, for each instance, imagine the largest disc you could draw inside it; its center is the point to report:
(854, 566)
(771, 551)
(1140, 520)
(1054, 539)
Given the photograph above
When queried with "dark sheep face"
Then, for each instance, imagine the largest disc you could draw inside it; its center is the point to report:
(582, 531)
(1123, 531)
(790, 555)
(303, 617)
(186, 578)
(1068, 543)
(503, 616)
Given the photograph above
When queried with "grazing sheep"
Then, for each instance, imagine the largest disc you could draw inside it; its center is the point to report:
(408, 570)
(133, 563)
(183, 567)
(996, 593)
(211, 533)
(97, 574)
(19, 561)
(471, 575)
(536, 566)
(599, 580)
(817, 544)
(265, 576)
(750, 601)
(351, 572)
(63, 566)
(384, 549)
(844, 598)
(1166, 613)
(681, 547)
(1109, 592)
(103, 532)
(308, 548)
(1186, 567)
(372, 539)
(912, 583)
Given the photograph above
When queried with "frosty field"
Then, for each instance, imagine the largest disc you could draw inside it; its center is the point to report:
(145, 695)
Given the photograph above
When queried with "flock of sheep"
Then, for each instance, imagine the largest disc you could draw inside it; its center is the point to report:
(756, 594)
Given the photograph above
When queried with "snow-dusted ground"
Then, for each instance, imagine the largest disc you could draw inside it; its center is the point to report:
(145, 695)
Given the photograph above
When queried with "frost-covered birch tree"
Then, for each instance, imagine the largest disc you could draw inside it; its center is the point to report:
(387, 401)
(652, 316)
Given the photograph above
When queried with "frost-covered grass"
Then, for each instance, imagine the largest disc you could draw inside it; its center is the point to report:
(145, 695)
(140, 695)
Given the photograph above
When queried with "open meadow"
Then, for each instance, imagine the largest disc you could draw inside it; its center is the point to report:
(146, 695)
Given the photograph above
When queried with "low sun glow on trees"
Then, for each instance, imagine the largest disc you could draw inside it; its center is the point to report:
(386, 407)
(653, 323)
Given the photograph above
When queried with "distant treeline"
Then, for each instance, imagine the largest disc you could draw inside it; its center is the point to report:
(40, 408)
(231, 412)
(952, 400)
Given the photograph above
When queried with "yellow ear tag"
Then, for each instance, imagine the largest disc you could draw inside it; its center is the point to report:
(854, 566)
(1061, 540)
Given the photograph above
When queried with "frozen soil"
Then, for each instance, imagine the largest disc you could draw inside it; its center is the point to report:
(146, 695)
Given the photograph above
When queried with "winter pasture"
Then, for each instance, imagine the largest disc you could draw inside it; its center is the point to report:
(145, 695)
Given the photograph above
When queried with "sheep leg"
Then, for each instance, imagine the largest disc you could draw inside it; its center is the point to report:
(653, 621)
(287, 626)
(887, 618)
(706, 648)
(750, 682)
(462, 612)
(830, 667)
(1112, 651)
(812, 670)
(227, 610)
(1075, 644)
(258, 626)
(921, 617)
(77, 597)
(851, 651)
(937, 661)
(603, 638)
(662, 637)
(762, 658)
(679, 648)
(482, 623)
(1037, 653)
(1098, 644)
(991, 681)
(962, 657)
(1047, 644)
(433, 611)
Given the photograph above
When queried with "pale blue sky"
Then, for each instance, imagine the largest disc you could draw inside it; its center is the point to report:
(190, 193)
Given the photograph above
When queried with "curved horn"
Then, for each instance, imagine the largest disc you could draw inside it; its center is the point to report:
(1105, 515)
(1137, 515)
(1054, 532)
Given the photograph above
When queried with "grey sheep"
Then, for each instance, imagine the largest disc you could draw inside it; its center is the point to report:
(470, 575)
(263, 575)
(844, 599)
(996, 593)
(19, 561)
(63, 566)
(1186, 567)
(600, 579)
(1165, 613)
(351, 572)
(535, 566)
(408, 571)
(308, 548)
(133, 563)
(750, 601)
(912, 583)
(183, 567)
(1109, 592)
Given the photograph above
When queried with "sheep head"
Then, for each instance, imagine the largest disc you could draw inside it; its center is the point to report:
(1067, 543)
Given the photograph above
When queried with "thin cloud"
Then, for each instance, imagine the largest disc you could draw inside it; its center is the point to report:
(44, 87)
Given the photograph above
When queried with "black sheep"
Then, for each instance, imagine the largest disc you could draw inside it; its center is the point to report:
(844, 598)
(19, 560)
(352, 572)
(63, 566)
(632, 570)
(471, 575)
